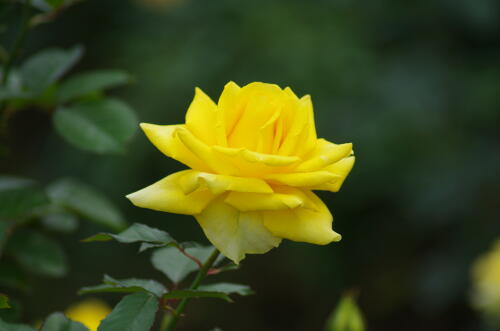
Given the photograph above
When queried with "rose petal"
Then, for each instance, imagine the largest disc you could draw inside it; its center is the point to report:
(167, 195)
(302, 179)
(303, 224)
(201, 118)
(193, 180)
(340, 169)
(325, 154)
(164, 137)
(253, 164)
(235, 233)
(230, 106)
(205, 153)
(283, 197)
(300, 132)
(262, 103)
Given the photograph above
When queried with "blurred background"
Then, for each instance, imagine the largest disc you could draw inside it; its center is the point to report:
(414, 85)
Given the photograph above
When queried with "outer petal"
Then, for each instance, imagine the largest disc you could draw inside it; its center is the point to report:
(262, 201)
(235, 233)
(303, 179)
(340, 169)
(193, 180)
(303, 224)
(164, 137)
(283, 197)
(325, 154)
(168, 195)
(201, 118)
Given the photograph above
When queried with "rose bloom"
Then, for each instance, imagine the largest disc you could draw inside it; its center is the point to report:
(486, 283)
(89, 312)
(255, 160)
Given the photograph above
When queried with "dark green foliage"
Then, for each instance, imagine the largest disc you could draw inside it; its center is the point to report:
(46, 67)
(38, 253)
(85, 201)
(19, 197)
(82, 84)
(60, 221)
(11, 276)
(101, 126)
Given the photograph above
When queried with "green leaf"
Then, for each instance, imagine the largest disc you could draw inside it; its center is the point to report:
(137, 232)
(38, 254)
(175, 265)
(60, 221)
(346, 317)
(19, 197)
(88, 82)
(47, 66)
(135, 312)
(227, 288)
(4, 301)
(126, 285)
(4, 326)
(99, 126)
(87, 202)
(59, 322)
(181, 294)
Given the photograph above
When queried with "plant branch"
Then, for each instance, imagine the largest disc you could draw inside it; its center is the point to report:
(170, 320)
(195, 260)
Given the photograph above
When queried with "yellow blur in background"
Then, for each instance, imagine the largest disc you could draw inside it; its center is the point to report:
(89, 312)
(486, 283)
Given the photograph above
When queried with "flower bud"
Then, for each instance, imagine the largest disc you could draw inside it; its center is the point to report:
(346, 317)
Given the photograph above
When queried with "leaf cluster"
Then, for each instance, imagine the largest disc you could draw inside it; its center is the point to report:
(176, 261)
(80, 112)
(32, 215)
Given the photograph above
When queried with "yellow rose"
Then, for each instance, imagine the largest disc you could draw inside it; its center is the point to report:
(486, 282)
(255, 159)
(89, 312)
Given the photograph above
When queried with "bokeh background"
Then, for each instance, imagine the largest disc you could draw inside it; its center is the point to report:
(415, 85)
